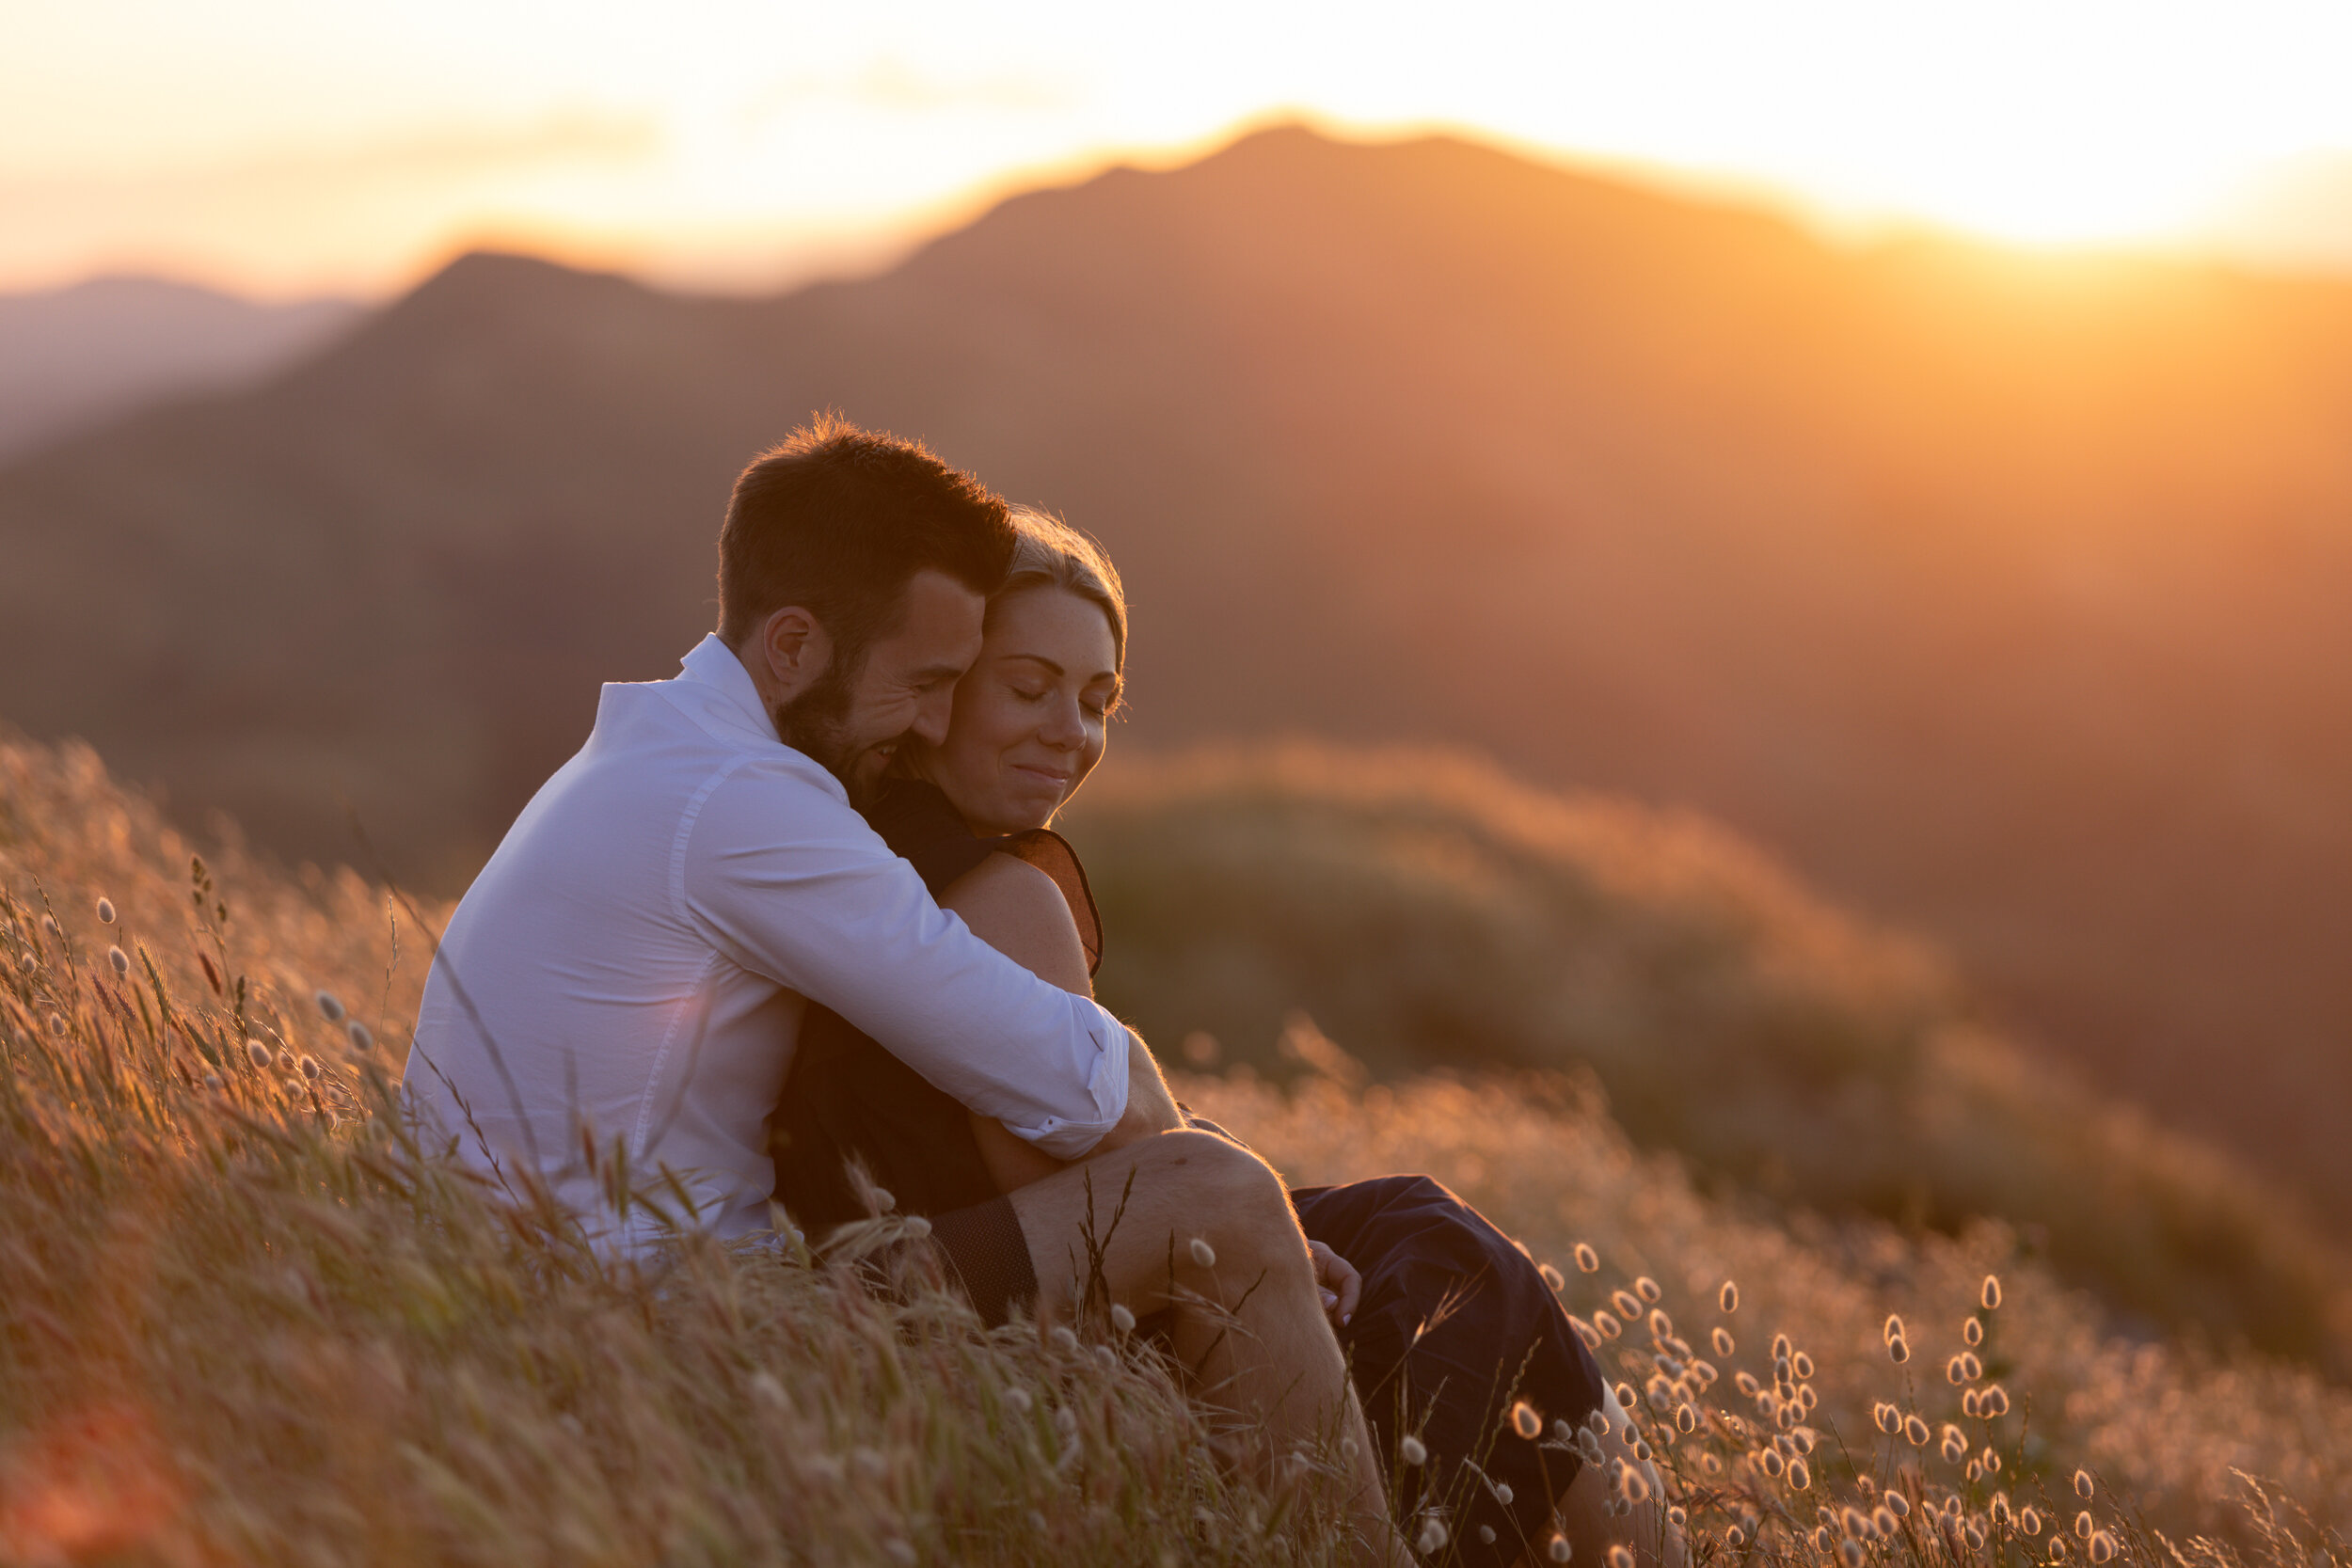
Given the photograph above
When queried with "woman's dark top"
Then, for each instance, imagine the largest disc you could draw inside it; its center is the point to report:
(847, 1098)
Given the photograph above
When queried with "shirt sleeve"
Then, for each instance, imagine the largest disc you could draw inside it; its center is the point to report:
(791, 883)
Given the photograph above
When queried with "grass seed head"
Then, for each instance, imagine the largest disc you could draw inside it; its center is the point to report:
(1525, 1422)
(1606, 1325)
(1991, 1295)
(1432, 1539)
(1121, 1319)
(2083, 1525)
(1412, 1450)
(2030, 1520)
(1620, 1556)
(1558, 1550)
(258, 1054)
(118, 962)
(2082, 1487)
(1628, 1306)
(311, 1068)
(1993, 1403)
(1802, 1365)
(1850, 1550)
(1553, 1278)
(1915, 1432)
(362, 1037)
(1648, 1290)
(1587, 1260)
(1722, 1341)
(1202, 1253)
(1899, 1350)
(2101, 1546)
(1953, 1444)
(1893, 1329)
(106, 912)
(56, 1026)
(286, 1060)
(330, 1006)
(1972, 1332)
(1729, 1298)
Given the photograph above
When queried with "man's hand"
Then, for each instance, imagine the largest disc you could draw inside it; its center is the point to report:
(1341, 1286)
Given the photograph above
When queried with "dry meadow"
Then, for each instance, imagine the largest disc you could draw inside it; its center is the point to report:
(246, 1320)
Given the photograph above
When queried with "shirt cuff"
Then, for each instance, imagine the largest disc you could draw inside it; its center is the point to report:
(1074, 1137)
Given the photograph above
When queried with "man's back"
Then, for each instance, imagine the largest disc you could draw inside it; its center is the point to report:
(631, 968)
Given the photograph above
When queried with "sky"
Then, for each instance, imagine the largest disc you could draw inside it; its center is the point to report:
(284, 147)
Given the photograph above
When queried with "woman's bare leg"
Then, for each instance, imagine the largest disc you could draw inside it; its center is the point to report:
(1592, 1528)
(1246, 1315)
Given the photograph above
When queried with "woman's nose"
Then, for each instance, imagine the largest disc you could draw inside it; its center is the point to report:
(1063, 728)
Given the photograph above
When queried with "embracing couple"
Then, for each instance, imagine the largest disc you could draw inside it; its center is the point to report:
(791, 928)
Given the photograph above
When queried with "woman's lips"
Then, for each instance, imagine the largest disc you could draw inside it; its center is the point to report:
(1043, 775)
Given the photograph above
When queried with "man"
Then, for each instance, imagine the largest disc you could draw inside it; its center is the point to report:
(613, 1008)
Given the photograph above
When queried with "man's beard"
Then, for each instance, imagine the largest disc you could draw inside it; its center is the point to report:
(815, 724)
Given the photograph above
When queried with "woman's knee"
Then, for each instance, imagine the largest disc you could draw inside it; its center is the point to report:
(1235, 1200)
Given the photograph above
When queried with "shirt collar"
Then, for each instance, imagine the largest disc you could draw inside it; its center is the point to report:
(713, 665)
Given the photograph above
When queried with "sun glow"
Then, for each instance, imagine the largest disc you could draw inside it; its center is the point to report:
(284, 146)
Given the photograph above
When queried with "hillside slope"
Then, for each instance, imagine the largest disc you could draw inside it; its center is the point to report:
(2001, 596)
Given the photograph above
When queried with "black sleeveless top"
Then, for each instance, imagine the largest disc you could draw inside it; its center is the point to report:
(847, 1098)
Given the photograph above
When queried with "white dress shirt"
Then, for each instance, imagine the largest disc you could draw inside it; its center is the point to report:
(631, 970)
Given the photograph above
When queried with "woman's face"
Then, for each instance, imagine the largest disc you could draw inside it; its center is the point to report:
(1028, 723)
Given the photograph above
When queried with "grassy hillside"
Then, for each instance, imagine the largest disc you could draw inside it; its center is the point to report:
(1424, 910)
(247, 1322)
(2003, 597)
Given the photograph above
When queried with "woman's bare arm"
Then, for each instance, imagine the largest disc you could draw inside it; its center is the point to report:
(1017, 910)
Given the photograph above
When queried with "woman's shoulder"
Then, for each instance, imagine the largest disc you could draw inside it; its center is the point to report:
(919, 822)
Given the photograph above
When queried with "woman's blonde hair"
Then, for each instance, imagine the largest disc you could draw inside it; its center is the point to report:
(1049, 553)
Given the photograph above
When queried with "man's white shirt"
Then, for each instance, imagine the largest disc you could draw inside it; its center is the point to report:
(631, 968)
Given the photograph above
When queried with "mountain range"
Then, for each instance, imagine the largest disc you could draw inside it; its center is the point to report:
(85, 354)
(2004, 596)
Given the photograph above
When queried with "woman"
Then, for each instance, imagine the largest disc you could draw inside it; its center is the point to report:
(1449, 1323)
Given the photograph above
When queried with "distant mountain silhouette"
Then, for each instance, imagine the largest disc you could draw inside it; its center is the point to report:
(75, 357)
(2005, 598)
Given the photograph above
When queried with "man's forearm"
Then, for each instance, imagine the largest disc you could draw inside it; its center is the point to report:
(1150, 1108)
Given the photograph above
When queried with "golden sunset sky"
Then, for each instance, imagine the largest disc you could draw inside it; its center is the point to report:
(287, 147)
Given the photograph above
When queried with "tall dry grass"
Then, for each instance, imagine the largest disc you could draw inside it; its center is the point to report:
(246, 1320)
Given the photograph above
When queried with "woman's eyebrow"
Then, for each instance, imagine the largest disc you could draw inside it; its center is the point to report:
(1059, 671)
(1039, 658)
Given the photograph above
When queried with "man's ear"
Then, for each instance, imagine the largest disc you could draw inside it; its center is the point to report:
(792, 649)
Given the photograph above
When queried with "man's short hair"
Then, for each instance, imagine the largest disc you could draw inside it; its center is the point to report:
(837, 520)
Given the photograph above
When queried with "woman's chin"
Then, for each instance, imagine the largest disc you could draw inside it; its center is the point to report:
(1012, 814)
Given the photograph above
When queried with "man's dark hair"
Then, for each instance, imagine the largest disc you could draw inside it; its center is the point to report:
(838, 520)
